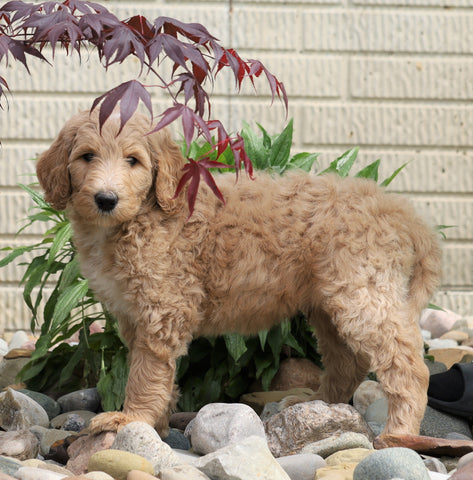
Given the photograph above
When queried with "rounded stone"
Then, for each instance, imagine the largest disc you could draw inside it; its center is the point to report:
(20, 444)
(368, 392)
(335, 443)
(63, 418)
(51, 407)
(86, 399)
(117, 463)
(219, 424)
(301, 466)
(177, 439)
(378, 411)
(18, 411)
(351, 455)
(142, 439)
(391, 463)
(9, 466)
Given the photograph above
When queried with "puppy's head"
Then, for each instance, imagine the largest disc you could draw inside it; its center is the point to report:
(104, 177)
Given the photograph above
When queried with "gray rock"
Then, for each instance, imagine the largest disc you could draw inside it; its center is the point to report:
(338, 442)
(19, 412)
(219, 424)
(63, 418)
(182, 472)
(19, 444)
(51, 407)
(9, 466)
(435, 367)
(74, 423)
(87, 399)
(47, 436)
(177, 439)
(366, 393)
(378, 411)
(301, 466)
(9, 369)
(142, 439)
(434, 464)
(269, 409)
(291, 430)
(391, 463)
(439, 424)
(232, 462)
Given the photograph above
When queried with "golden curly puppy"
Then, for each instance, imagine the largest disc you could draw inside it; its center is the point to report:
(358, 262)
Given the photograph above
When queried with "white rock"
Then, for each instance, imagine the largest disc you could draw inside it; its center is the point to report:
(437, 322)
(182, 472)
(219, 424)
(367, 392)
(437, 343)
(142, 439)
(98, 476)
(18, 340)
(439, 476)
(32, 473)
(301, 466)
(246, 460)
(3, 347)
(186, 456)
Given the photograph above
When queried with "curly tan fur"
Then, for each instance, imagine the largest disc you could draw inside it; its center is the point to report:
(358, 262)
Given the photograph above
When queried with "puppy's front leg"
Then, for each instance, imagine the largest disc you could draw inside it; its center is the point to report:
(149, 389)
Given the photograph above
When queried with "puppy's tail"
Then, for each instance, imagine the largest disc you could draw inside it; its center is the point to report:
(425, 278)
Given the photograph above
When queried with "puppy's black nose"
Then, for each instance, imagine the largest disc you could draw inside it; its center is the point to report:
(106, 201)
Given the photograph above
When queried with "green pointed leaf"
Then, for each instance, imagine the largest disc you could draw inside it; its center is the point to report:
(342, 165)
(70, 274)
(235, 344)
(63, 235)
(263, 335)
(254, 147)
(266, 138)
(67, 301)
(303, 161)
(388, 180)
(370, 171)
(15, 253)
(281, 147)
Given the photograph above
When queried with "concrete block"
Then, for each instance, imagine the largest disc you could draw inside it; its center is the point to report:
(387, 124)
(266, 28)
(412, 77)
(389, 30)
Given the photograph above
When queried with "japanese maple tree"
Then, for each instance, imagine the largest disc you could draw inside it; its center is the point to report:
(195, 56)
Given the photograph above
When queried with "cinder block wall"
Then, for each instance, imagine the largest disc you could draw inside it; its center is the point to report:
(392, 76)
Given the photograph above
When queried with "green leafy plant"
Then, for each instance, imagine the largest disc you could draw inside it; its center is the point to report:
(232, 363)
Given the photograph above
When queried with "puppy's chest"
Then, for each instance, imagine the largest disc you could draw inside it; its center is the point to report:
(98, 265)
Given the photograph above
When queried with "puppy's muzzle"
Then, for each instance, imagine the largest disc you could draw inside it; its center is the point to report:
(106, 201)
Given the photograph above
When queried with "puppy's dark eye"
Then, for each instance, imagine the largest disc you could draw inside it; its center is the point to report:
(88, 157)
(132, 161)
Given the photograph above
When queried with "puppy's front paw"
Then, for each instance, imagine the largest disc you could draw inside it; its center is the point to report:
(109, 422)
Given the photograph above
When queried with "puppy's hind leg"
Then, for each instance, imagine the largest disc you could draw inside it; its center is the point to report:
(343, 370)
(385, 331)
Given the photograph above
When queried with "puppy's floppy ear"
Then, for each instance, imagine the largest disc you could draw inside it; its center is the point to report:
(52, 166)
(167, 154)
